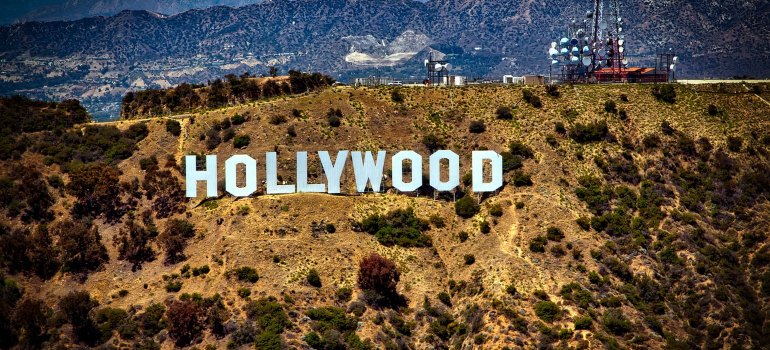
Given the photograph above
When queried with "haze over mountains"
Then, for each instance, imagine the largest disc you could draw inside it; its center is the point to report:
(98, 59)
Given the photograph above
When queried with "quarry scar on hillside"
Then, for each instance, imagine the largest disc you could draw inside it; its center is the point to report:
(367, 168)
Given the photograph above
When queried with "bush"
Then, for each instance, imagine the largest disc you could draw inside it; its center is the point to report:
(96, 193)
(583, 322)
(554, 234)
(241, 141)
(396, 96)
(313, 278)
(76, 307)
(584, 223)
(518, 148)
(504, 113)
(665, 93)
(593, 132)
(291, 131)
(173, 127)
(712, 110)
(437, 221)
(610, 107)
(186, 321)
(552, 90)
(521, 179)
(559, 128)
(334, 117)
(531, 98)
(344, 294)
(378, 274)
(237, 119)
(246, 273)
(244, 292)
(277, 119)
(484, 227)
(80, 246)
(174, 239)
(734, 143)
(463, 236)
(477, 127)
(133, 244)
(469, 259)
(537, 244)
(398, 227)
(511, 290)
(547, 310)
(651, 141)
(433, 142)
(614, 321)
(173, 286)
(495, 210)
(466, 207)
(444, 298)
(213, 139)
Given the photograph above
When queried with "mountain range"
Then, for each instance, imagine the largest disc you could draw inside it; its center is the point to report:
(99, 59)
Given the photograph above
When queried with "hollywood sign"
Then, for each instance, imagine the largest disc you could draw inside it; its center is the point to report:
(367, 168)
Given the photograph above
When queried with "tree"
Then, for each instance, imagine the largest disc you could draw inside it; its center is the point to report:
(133, 244)
(273, 71)
(174, 239)
(97, 193)
(378, 275)
(173, 127)
(313, 278)
(241, 141)
(165, 191)
(80, 246)
(467, 207)
(185, 321)
(76, 307)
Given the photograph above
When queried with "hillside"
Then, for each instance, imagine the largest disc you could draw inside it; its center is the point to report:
(635, 223)
(99, 59)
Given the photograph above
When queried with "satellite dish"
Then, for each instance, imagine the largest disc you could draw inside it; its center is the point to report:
(675, 59)
(448, 66)
(586, 61)
(620, 29)
(586, 50)
(564, 41)
(564, 51)
(602, 53)
(621, 49)
(554, 61)
(573, 42)
(672, 67)
(620, 20)
(574, 59)
(553, 44)
(575, 50)
(625, 62)
(602, 26)
(621, 42)
(438, 66)
(553, 52)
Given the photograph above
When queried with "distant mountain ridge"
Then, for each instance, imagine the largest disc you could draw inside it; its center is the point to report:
(99, 59)
(78, 9)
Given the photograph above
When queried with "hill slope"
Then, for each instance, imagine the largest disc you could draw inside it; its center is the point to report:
(648, 233)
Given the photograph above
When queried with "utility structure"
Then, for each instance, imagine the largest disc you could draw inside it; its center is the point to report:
(592, 50)
(438, 70)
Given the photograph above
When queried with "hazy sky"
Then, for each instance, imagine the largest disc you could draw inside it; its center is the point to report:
(10, 9)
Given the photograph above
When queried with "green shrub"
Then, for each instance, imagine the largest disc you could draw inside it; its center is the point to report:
(583, 322)
(244, 292)
(665, 93)
(277, 119)
(237, 119)
(584, 223)
(173, 127)
(396, 96)
(537, 244)
(469, 259)
(313, 278)
(433, 142)
(246, 273)
(173, 286)
(463, 236)
(445, 298)
(552, 90)
(511, 290)
(477, 127)
(466, 207)
(554, 234)
(610, 107)
(504, 113)
(437, 221)
(517, 148)
(241, 141)
(495, 210)
(593, 132)
(398, 227)
(484, 227)
(547, 311)
(521, 179)
(614, 321)
(734, 143)
(559, 128)
(344, 294)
